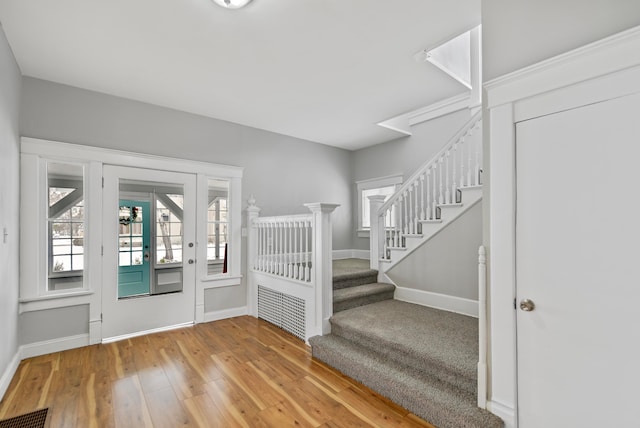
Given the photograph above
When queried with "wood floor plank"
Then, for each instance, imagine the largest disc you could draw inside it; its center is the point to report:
(240, 372)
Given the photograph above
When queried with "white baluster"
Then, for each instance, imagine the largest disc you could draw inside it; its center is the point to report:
(385, 244)
(469, 156)
(462, 162)
(454, 188)
(400, 217)
(422, 212)
(307, 276)
(406, 213)
(434, 202)
(440, 194)
(416, 215)
(477, 171)
(447, 194)
(296, 252)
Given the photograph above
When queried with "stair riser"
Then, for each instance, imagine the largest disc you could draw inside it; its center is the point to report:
(353, 282)
(464, 381)
(361, 301)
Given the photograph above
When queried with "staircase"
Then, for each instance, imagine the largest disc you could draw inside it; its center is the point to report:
(421, 358)
(355, 284)
(439, 192)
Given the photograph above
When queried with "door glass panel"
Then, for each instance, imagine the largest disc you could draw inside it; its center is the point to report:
(150, 238)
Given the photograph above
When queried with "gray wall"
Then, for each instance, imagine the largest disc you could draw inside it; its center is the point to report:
(404, 155)
(447, 263)
(280, 171)
(518, 33)
(38, 326)
(10, 84)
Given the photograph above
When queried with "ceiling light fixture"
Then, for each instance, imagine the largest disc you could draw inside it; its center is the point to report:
(232, 4)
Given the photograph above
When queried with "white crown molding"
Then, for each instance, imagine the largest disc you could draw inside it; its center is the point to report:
(403, 123)
(599, 58)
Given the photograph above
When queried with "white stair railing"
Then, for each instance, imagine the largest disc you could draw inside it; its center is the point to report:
(436, 184)
(291, 256)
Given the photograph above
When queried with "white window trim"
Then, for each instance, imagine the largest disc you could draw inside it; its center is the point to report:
(33, 292)
(373, 183)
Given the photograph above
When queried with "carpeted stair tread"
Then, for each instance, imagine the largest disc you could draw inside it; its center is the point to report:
(359, 295)
(441, 343)
(352, 272)
(437, 402)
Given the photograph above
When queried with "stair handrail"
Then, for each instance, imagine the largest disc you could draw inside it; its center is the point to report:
(464, 130)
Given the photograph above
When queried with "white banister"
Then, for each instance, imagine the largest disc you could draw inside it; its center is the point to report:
(292, 255)
(457, 165)
(482, 328)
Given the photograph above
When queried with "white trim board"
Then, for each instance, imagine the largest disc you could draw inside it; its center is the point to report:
(150, 331)
(54, 345)
(504, 412)
(350, 254)
(458, 305)
(225, 313)
(9, 373)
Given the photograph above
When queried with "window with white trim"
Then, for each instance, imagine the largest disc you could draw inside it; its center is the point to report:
(217, 226)
(376, 186)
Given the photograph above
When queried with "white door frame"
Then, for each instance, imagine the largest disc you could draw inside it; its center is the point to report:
(141, 315)
(571, 80)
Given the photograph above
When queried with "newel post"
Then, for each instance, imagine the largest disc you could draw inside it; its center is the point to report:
(322, 269)
(252, 251)
(376, 234)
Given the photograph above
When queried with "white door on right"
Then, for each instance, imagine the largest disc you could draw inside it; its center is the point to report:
(578, 265)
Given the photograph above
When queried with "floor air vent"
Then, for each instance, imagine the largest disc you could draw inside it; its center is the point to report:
(282, 310)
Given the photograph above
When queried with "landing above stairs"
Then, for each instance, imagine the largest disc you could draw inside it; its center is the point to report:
(421, 358)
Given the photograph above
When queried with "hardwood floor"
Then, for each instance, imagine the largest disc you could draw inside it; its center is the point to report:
(240, 372)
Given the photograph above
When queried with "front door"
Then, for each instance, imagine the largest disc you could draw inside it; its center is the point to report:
(149, 251)
(134, 251)
(577, 257)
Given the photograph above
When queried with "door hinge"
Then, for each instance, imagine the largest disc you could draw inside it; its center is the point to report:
(515, 305)
(102, 250)
(103, 182)
(101, 317)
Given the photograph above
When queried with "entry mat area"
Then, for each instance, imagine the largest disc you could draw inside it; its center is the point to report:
(35, 419)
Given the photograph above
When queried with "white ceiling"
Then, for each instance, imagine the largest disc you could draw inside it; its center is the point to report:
(320, 70)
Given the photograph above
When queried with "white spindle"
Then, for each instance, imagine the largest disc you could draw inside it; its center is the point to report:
(434, 202)
(447, 194)
(416, 214)
(422, 193)
(462, 162)
(477, 171)
(440, 182)
(307, 269)
(454, 188)
(469, 155)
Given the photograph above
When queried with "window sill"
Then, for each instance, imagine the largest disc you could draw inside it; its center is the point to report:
(57, 300)
(363, 233)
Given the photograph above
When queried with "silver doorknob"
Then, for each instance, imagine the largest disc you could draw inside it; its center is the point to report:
(527, 305)
(190, 261)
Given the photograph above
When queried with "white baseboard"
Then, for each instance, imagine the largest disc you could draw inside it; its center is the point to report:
(350, 254)
(142, 333)
(225, 313)
(438, 301)
(8, 374)
(53, 345)
(504, 412)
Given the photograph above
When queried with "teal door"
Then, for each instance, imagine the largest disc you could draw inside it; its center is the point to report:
(133, 248)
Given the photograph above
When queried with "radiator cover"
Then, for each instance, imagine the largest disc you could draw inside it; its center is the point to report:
(283, 310)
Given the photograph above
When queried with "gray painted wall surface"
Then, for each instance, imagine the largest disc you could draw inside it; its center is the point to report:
(448, 263)
(518, 33)
(38, 326)
(404, 155)
(10, 84)
(281, 172)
